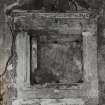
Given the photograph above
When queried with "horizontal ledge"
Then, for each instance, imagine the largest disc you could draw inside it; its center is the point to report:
(70, 14)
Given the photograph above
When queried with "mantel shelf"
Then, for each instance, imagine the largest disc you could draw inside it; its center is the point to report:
(59, 23)
(70, 14)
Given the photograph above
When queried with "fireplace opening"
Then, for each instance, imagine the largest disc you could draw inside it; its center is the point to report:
(56, 59)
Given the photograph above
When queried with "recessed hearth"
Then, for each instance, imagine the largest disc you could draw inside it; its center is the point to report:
(56, 59)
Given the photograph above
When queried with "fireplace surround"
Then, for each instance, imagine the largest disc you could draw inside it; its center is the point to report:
(53, 33)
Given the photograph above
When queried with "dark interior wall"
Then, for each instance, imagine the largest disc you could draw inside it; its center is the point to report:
(101, 58)
(5, 41)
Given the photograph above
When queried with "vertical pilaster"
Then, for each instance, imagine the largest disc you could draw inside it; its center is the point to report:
(23, 62)
(90, 63)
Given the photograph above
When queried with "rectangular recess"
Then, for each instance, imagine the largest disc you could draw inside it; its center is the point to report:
(56, 60)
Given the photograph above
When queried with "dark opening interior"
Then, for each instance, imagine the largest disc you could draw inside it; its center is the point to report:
(56, 59)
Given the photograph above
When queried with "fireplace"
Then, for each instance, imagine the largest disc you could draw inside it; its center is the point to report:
(57, 58)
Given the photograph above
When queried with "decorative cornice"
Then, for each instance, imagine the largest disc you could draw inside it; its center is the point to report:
(33, 20)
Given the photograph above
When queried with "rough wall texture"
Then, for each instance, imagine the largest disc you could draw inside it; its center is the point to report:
(101, 57)
(5, 44)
